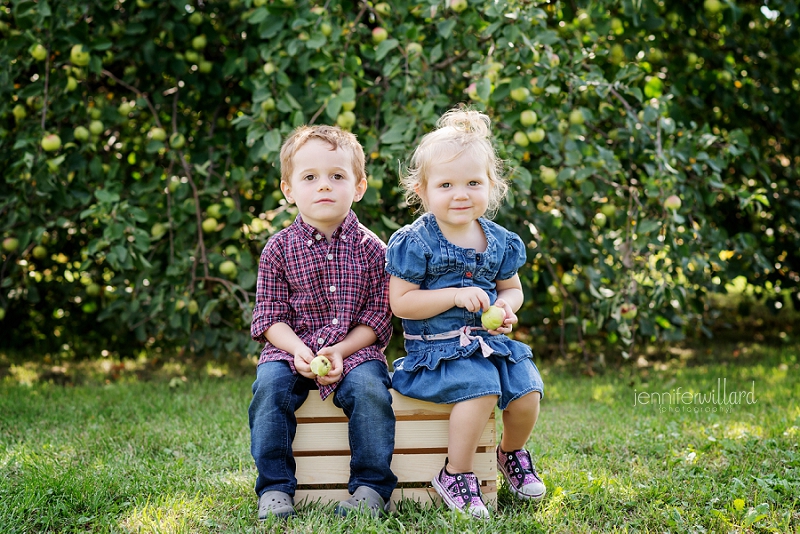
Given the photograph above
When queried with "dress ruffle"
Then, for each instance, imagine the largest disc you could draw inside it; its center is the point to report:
(429, 354)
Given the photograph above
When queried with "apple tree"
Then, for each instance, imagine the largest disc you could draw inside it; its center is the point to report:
(140, 145)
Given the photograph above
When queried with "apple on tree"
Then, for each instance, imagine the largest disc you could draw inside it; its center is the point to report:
(51, 142)
(458, 5)
(157, 134)
(520, 94)
(521, 139)
(79, 55)
(548, 175)
(38, 52)
(628, 311)
(96, 127)
(379, 35)
(346, 120)
(209, 225)
(536, 135)
(528, 117)
(228, 268)
(10, 244)
(673, 202)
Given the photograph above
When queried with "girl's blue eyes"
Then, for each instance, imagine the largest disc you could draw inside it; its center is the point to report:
(446, 185)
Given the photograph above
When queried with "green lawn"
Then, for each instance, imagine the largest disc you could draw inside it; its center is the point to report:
(133, 456)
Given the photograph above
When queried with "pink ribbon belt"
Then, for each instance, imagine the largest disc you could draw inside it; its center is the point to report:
(464, 335)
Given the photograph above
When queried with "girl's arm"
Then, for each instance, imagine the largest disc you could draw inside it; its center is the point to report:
(510, 291)
(408, 301)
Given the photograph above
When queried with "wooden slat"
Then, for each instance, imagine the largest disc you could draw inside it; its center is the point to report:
(404, 407)
(409, 468)
(423, 495)
(319, 437)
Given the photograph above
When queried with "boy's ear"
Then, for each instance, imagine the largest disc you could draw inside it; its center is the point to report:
(361, 188)
(286, 189)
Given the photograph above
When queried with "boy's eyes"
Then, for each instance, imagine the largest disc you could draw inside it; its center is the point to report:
(335, 176)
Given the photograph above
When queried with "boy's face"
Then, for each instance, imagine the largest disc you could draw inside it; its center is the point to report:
(323, 185)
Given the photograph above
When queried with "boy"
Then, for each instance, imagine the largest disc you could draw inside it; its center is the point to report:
(322, 290)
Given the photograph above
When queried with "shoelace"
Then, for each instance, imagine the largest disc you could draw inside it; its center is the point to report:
(462, 487)
(522, 470)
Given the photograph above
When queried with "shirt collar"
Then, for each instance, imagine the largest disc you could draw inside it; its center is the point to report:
(348, 227)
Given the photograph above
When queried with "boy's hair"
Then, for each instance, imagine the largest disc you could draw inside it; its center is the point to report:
(334, 136)
(456, 131)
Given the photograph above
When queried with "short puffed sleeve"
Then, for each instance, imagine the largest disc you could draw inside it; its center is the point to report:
(514, 257)
(407, 256)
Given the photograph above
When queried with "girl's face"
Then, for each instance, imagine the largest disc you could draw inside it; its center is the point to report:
(457, 192)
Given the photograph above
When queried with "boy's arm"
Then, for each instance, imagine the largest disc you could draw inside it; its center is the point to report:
(410, 302)
(356, 339)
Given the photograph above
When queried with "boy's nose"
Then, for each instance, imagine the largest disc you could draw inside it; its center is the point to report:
(324, 185)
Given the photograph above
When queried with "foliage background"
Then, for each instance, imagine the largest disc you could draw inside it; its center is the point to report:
(638, 100)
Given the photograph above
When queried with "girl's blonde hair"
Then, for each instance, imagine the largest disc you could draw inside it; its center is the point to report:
(456, 131)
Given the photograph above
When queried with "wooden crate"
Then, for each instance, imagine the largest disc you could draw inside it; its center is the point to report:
(323, 465)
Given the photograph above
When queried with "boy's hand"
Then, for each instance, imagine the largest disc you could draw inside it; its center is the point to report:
(471, 298)
(302, 362)
(511, 318)
(334, 355)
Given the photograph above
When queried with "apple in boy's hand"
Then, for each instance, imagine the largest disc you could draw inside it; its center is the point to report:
(320, 366)
(493, 318)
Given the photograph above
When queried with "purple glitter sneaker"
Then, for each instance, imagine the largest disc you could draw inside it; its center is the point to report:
(461, 492)
(523, 481)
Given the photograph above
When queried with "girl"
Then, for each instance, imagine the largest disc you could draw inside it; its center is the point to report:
(445, 268)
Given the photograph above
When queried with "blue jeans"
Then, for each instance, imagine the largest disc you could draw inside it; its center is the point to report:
(363, 395)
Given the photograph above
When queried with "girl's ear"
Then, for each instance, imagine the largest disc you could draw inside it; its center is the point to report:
(286, 189)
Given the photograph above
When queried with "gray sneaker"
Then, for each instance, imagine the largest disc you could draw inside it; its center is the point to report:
(364, 500)
(275, 503)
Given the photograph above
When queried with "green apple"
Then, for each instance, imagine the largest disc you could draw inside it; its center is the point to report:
(214, 211)
(609, 210)
(493, 318)
(269, 68)
(199, 42)
(158, 230)
(383, 9)
(628, 311)
(142, 4)
(414, 49)
(379, 35)
(2, 314)
(196, 18)
(51, 142)
(673, 202)
(713, 6)
(548, 175)
(458, 5)
(192, 56)
(521, 139)
(472, 91)
(555, 61)
(576, 117)
(125, 108)
(563, 126)
(96, 127)
(79, 55)
(349, 106)
(259, 3)
(528, 117)
(536, 135)
(346, 120)
(256, 225)
(520, 94)
(209, 225)
(205, 66)
(228, 268)
(10, 244)
(231, 251)
(81, 133)
(617, 26)
(19, 112)
(157, 134)
(71, 85)
(600, 219)
(93, 289)
(38, 52)
(320, 366)
(229, 203)
(268, 104)
(326, 29)
(39, 252)
(177, 141)
(95, 113)
(193, 307)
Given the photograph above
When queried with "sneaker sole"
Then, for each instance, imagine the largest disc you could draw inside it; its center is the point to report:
(516, 492)
(452, 504)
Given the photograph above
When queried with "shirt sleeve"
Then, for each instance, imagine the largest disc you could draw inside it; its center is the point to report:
(272, 292)
(406, 258)
(376, 313)
(514, 257)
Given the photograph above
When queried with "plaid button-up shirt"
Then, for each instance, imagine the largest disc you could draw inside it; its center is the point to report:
(323, 290)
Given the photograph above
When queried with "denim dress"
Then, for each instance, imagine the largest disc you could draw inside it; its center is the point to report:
(458, 368)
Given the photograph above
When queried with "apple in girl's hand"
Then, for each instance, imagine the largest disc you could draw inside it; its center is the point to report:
(320, 366)
(493, 318)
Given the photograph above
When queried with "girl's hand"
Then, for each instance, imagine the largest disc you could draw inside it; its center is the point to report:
(471, 298)
(337, 365)
(302, 362)
(511, 318)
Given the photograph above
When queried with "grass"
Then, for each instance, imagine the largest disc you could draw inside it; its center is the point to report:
(172, 455)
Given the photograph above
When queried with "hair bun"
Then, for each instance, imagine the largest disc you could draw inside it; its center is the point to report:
(469, 122)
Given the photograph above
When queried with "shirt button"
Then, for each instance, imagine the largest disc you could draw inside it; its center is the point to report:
(309, 243)
(330, 256)
(320, 341)
(469, 274)
(333, 289)
(318, 237)
(335, 321)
